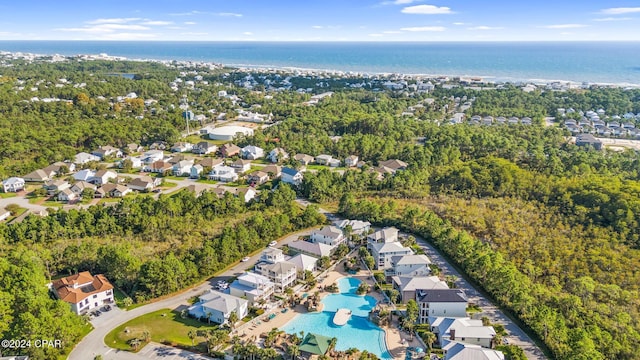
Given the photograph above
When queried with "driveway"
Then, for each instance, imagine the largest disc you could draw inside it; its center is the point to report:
(162, 352)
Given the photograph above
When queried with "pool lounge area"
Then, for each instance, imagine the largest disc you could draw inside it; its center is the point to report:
(358, 332)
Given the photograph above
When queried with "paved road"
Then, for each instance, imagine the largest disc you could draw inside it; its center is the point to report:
(93, 344)
(516, 335)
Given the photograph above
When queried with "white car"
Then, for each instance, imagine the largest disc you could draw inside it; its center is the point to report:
(273, 243)
(245, 259)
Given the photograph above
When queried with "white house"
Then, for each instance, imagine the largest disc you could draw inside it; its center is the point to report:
(441, 302)
(291, 176)
(254, 287)
(409, 265)
(4, 214)
(152, 156)
(463, 330)
(182, 168)
(84, 291)
(407, 285)
(383, 252)
(304, 262)
(277, 155)
(136, 162)
(241, 165)
(460, 351)
(386, 235)
(83, 158)
(246, 194)
(223, 173)
(204, 147)
(67, 195)
(323, 159)
(252, 152)
(13, 184)
(283, 273)
(351, 161)
(329, 235)
(357, 227)
(102, 177)
(195, 171)
(80, 186)
(84, 175)
(217, 307)
(104, 151)
(181, 147)
(144, 183)
(317, 250)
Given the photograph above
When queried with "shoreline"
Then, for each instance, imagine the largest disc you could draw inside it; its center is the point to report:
(487, 79)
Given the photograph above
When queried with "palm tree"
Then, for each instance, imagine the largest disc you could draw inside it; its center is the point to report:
(269, 354)
(294, 351)
(208, 315)
(332, 344)
(233, 319)
(135, 342)
(192, 335)
(429, 338)
(146, 336)
(409, 324)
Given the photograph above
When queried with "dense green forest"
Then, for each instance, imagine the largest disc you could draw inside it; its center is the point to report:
(549, 229)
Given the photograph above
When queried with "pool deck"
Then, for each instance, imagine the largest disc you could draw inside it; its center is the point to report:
(394, 338)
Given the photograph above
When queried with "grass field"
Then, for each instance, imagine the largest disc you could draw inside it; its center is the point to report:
(163, 326)
(7, 195)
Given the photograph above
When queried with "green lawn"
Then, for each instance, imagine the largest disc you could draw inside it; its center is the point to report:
(164, 326)
(7, 195)
(109, 200)
(168, 184)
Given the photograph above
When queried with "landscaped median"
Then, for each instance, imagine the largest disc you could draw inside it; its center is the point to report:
(163, 326)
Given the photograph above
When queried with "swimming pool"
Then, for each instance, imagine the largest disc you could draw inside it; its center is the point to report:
(358, 333)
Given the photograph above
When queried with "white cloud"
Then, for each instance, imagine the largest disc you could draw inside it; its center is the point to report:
(459, 23)
(104, 28)
(482, 27)
(402, 2)
(317, 26)
(247, 33)
(376, 35)
(427, 10)
(190, 22)
(564, 26)
(620, 10)
(128, 36)
(229, 14)
(112, 21)
(613, 19)
(392, 32)
(424, 28)
(156, 22)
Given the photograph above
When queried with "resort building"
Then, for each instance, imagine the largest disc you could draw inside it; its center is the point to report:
(254, 287)
(385, 235)
(329, 235)
(463, 330)
(409, 265)
(283, 274)
(460, 351)
(217, 307)
(440, 303)
(84, 291)
(384, 252)
(407, 285)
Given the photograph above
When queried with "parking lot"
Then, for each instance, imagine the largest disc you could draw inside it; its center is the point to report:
(104, 316)
(159, 351)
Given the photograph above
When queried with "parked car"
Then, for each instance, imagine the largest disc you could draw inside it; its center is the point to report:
(273, 243)
(245, 259)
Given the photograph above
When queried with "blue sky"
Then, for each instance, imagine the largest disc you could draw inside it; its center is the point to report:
(328, 20)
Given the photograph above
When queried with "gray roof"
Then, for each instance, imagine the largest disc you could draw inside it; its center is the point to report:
(388, 247)
(280, 268)
(222, 302)
(420, 282)
(318, 249)
(328, 231)
(441, 295)
(302, 261)
(384, 234)
(460, 351)
(411, 260)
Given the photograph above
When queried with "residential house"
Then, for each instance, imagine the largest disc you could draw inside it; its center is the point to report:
(274, 171)
(588, 140)
(181, 147)
(229, 150)
(329, 235)
(383, 252)
(463, 330)
(197, 189)
(67, 195)
(182, 168)
(134, 148)
(323, 159)
(254, 287)
(317, 250)
(210, 163)
(55, 186)
(283, 273)
(358, 227)
(251, 152)
(393, 164)
(158, 145)
(277, 155)
(4, 214)
(386, 235)
(460, 351)
(84, 291)
(144, 183)
(440, 302)
(60, 168)
(204, 147)
(84, 175)
(409, 265)
(152, 156)
(105, 151)
(223, 173)
(38, 176)
(102, 177)
(408, 285)
(258, 177)
(304, 159)
(217, 307)
(120, 191)
(136, 162)
(158, 167)
(241, 165)
(246, 194)
(195, 171)
(271, 255)
(304, 262)
(351, 161)
(79, 186)
(13, 184)
(83, 158)
(291, 176)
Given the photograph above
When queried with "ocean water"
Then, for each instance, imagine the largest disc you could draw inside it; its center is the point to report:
(358, 332)
(596, 62)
